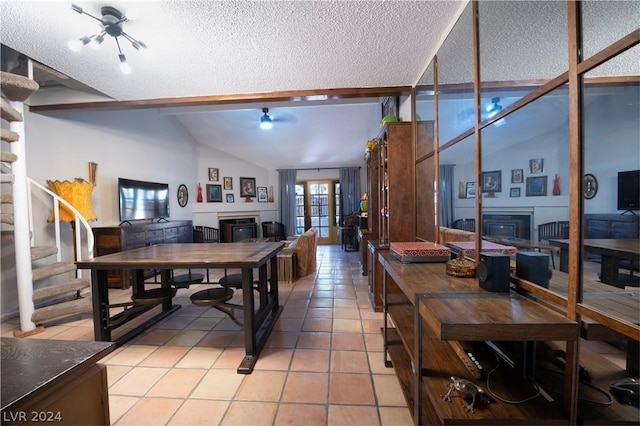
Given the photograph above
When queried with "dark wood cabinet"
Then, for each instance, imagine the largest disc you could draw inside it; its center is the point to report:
(396, 184)
(391, 206)
(114, 239)
(611, 225)
(374, 273)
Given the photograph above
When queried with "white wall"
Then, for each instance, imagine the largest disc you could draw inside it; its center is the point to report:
(137, 144)
(209, 213)
(612, 139)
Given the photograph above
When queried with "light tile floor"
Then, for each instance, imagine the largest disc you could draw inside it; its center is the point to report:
(323, 363)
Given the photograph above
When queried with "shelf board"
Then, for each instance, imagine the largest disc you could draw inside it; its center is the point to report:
(494, 316)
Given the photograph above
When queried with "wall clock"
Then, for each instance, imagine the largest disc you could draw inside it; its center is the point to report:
(183, 195)
(589, 186)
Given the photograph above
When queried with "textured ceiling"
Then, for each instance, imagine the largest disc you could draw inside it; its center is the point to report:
(208, 48)
(229, 47)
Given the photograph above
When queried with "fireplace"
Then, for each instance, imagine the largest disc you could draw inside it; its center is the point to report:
(507, 225)
(234, 230)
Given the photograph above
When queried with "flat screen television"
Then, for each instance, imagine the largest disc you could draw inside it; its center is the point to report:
(629, 190)
(140, 200)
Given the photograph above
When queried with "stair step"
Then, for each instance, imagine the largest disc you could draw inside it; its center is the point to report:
(52, 270)
(40, 252)
(9, 113)
(7, 235)
(76, 284)
(6, 198)
(6, 178)
(17, 87)
(9, 135)
(61, 310)
(8, 157)
(6, 218)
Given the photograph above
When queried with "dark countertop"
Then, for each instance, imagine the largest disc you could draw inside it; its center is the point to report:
(32, 365)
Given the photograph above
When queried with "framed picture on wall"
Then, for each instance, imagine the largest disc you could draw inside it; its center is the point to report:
(230, 198)
(516, 176)
(390, 106)
(214, 193)
(514, 192)
(262, 194)
(247, 187)
(228, 183)
(471, 190)
(213, 174)
(536, 186)
(492, 181)
(536, 165)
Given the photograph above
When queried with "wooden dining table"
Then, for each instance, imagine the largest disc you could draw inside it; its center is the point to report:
(612, 251)
(258, 320)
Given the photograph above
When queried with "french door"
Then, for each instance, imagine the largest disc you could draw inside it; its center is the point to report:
(317, 206)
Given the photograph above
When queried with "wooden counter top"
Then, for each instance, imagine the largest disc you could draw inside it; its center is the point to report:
(33, 366)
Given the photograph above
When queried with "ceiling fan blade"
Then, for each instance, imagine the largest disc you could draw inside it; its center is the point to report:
(283, 118)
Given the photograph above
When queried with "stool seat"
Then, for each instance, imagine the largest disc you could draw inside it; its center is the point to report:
(211, 296)
(231, 280)
(184, 280)
(154, 296)
(217, 298)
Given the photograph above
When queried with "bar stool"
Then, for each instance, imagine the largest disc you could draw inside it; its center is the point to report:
(217, 298)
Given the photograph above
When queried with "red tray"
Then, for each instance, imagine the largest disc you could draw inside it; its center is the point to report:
(420, 252)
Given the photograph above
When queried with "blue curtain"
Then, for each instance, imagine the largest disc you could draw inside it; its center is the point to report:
(446, 195)
(287, 186)
(349, 191)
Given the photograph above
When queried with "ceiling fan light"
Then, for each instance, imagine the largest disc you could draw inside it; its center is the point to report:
(85, 40)
(495, 108)
(75, 45)
(124, 66)
(265, 122)
(99, 38)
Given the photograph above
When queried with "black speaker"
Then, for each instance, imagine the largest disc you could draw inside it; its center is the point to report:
(494, 271)
(533, 266)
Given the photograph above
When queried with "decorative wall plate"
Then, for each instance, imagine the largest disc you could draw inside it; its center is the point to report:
(183, 195)
(589, 186)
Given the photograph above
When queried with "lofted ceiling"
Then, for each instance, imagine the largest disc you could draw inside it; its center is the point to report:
(218, 48)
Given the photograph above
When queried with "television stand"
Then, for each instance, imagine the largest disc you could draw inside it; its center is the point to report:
(162, 219)
(628, 211)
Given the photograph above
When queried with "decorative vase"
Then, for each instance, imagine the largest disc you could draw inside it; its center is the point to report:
(556, 185)
(199, 197)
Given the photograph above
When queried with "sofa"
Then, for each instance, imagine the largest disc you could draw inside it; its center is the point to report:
(304, 251)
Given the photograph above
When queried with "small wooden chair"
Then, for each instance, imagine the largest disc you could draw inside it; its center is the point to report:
(465, 224)
(274, 231)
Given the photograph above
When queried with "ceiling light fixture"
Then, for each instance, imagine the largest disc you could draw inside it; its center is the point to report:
(495, 108)
(265, 120)
(111, 21)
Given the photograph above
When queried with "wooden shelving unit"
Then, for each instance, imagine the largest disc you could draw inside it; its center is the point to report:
(396, 187)
(425, 309)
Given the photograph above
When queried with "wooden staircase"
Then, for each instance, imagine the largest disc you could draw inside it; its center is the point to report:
(57, 293)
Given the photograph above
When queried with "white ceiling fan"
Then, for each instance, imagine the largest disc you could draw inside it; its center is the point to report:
(266, 120)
